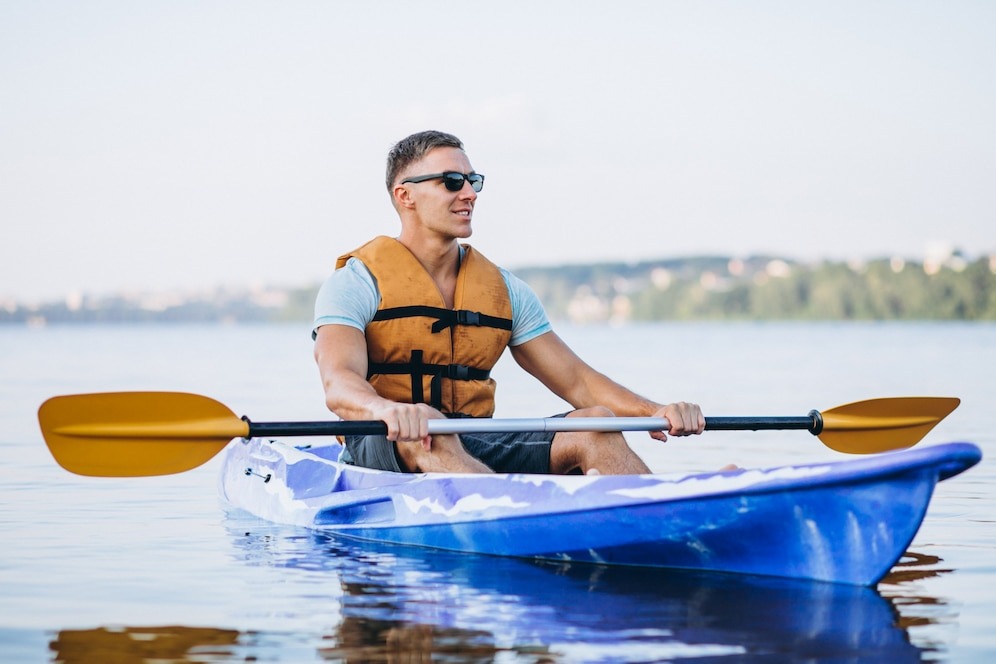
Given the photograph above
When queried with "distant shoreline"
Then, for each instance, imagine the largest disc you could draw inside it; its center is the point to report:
(697, 288)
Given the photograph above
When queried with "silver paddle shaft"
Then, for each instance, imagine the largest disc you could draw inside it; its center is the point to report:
(554, 424)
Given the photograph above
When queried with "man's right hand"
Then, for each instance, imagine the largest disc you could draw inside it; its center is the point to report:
(407, 422)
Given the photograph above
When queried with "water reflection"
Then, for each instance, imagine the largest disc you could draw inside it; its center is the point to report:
(408, 604)
(143, 644)
(397, 604)
(918, 612)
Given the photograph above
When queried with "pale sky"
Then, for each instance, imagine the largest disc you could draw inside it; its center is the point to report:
(171, 145)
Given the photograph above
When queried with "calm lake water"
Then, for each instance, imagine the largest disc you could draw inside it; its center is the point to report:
(98, 570)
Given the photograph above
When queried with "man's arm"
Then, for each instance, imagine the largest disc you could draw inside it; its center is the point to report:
(341, 354)
(558, 367)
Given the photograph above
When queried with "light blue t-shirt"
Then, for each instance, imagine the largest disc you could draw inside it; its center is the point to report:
(350, 297)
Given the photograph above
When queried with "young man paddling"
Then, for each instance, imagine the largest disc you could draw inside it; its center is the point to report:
(407, 329)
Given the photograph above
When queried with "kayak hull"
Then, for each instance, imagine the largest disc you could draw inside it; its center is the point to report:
(843, 522)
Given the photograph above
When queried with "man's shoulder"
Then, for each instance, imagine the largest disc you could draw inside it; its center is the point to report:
(469, 253)
(378, 244)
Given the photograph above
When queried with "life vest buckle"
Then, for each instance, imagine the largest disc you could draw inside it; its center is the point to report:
(457, 372)
(465, 317)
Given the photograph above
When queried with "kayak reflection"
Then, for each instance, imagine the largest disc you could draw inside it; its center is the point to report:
(430, 604)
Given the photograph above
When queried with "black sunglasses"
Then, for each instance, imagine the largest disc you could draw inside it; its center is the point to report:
(452, 179)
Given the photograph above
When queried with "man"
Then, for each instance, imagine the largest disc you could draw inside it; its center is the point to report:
(407, 330)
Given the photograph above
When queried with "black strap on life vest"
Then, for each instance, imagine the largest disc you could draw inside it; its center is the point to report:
(445, 317)
(417, 368)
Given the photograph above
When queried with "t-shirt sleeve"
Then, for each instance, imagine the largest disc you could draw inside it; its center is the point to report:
(348, 297)
(529, 319)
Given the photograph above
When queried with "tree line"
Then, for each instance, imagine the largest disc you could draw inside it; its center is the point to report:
(697, 288)
(764, 288)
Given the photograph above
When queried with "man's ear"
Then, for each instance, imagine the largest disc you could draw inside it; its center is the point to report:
(402, 197)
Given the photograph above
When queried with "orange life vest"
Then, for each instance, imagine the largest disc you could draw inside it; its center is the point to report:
(421, 351)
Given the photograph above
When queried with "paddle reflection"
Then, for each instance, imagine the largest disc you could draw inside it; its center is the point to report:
(916, 610)
(144, 644)
(406, 604)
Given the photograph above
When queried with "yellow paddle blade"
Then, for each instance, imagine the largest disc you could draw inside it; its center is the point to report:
(135, 434)
(880, 425)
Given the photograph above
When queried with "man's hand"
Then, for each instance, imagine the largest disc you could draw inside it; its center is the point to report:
(685, 418)
(419, 452)
(407, 422)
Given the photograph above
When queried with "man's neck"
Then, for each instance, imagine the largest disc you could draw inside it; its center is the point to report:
(440, 259)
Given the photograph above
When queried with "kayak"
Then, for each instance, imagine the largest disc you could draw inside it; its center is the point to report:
(843, 522)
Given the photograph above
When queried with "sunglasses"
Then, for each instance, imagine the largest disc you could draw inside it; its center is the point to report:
(452, 179)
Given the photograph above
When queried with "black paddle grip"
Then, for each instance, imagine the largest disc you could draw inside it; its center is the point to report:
(337, 428)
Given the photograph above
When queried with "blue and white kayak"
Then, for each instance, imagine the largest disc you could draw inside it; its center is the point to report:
(843, 522)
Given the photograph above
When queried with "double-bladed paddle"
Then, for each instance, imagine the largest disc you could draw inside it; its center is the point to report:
(134, 434)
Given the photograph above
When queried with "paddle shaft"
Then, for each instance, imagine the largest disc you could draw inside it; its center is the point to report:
(811, 423)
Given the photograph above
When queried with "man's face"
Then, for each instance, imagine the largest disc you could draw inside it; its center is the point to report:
(437, 209)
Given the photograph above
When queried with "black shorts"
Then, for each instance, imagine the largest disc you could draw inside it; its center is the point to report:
(501, 452)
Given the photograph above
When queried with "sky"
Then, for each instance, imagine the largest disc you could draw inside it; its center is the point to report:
(181, 145)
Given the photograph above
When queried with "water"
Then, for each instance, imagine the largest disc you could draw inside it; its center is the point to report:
(95, 570)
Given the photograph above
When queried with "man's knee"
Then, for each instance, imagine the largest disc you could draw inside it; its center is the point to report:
(592, 411)
(582, 449)
(445, 453)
